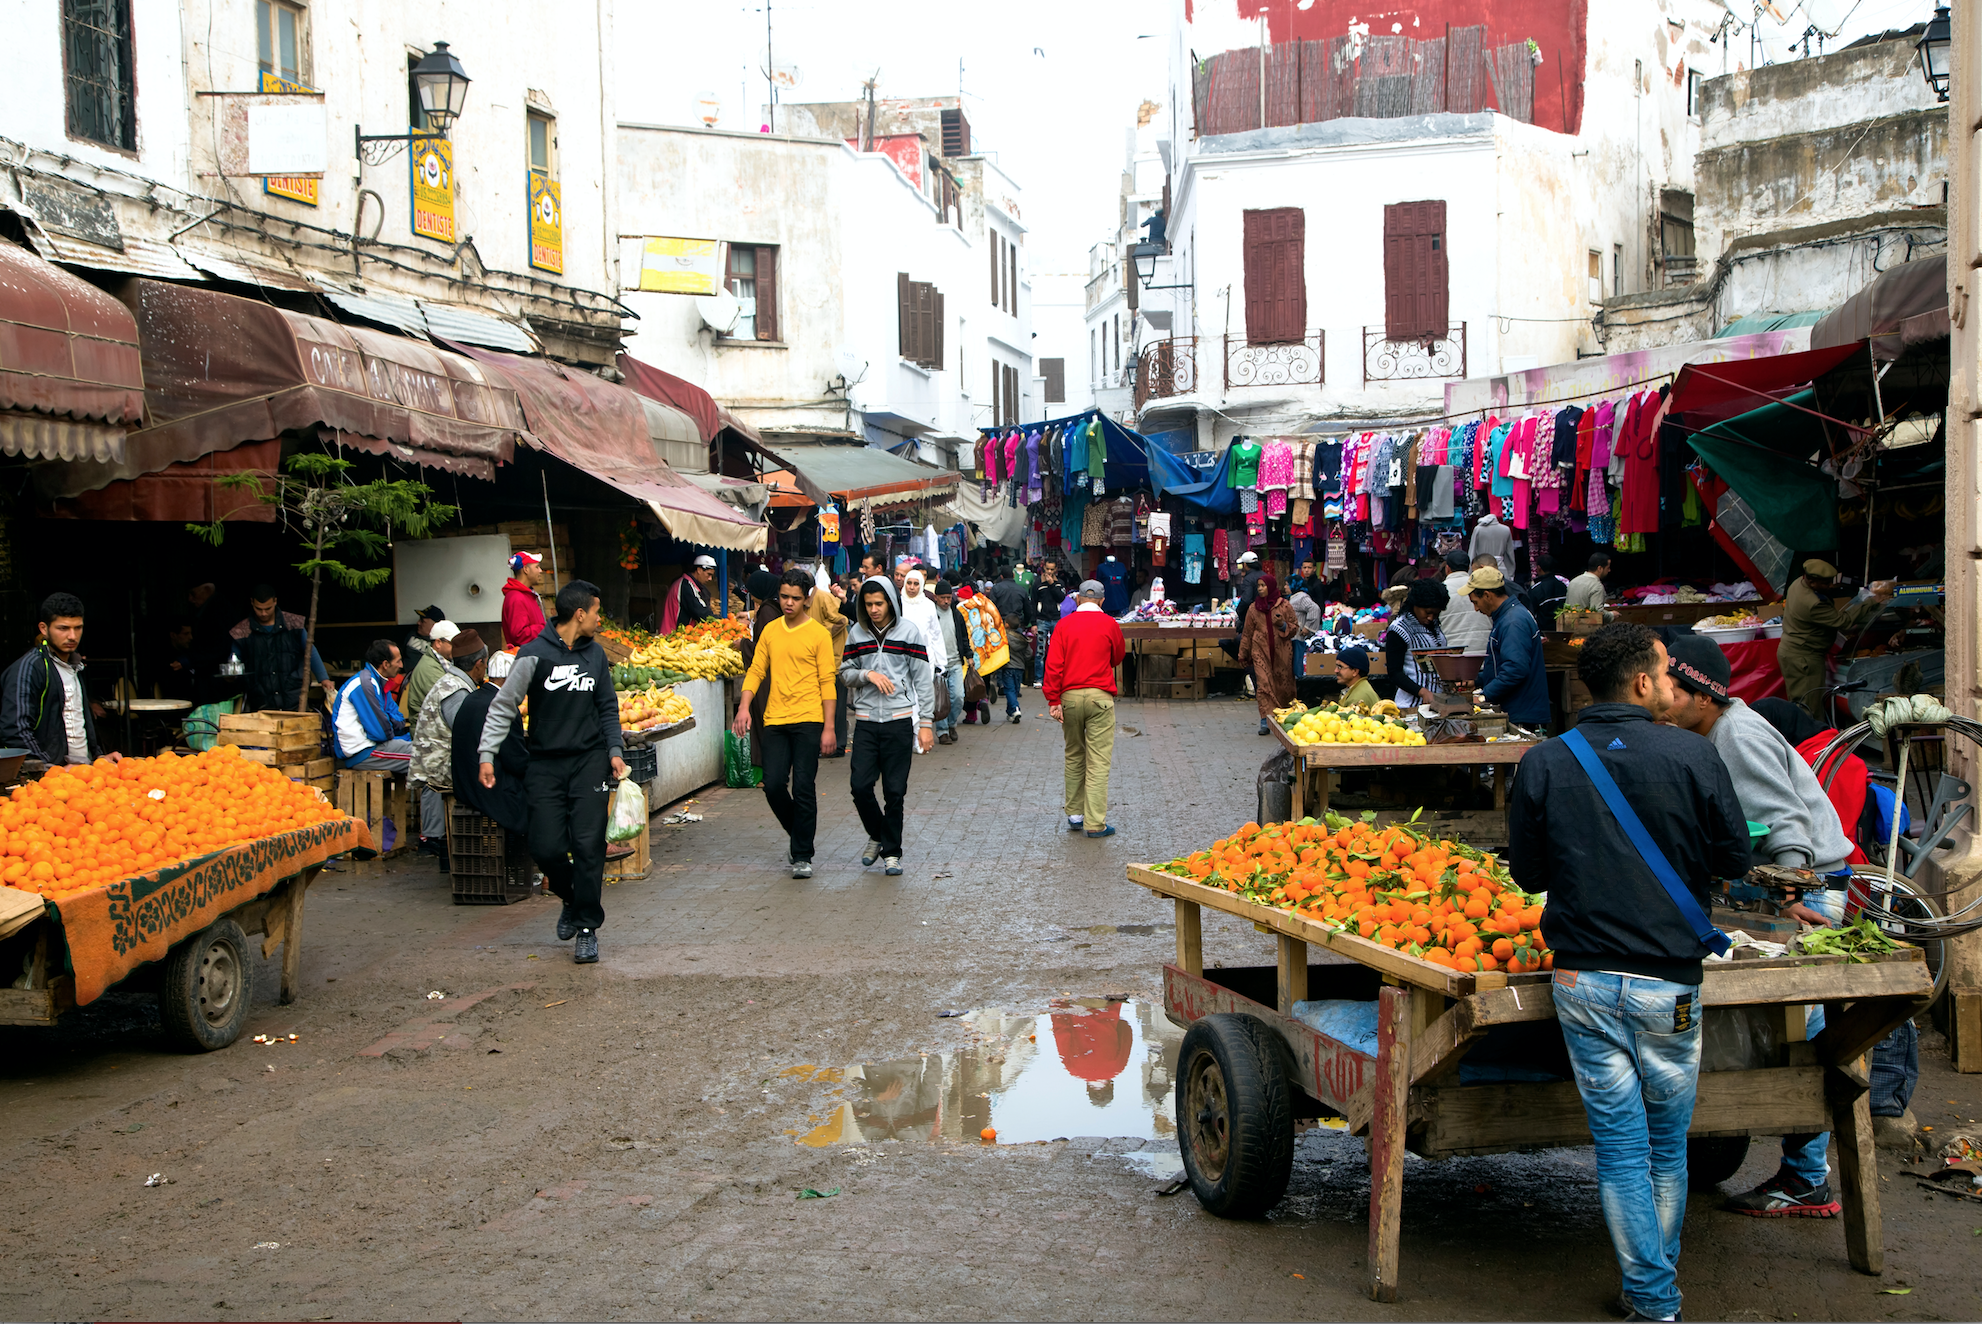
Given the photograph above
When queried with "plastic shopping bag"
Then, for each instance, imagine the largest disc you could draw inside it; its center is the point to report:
(629, 812)
(736, 762)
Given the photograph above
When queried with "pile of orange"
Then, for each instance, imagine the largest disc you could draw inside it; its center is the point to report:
(84, 826)
(716, 629)
(1438, 900)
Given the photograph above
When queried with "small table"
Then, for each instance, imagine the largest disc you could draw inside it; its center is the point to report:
(1316, 760)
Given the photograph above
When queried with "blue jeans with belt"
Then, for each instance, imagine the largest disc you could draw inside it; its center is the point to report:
(1635, 1045)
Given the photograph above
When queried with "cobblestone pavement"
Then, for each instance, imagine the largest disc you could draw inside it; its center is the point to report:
(623, 1141)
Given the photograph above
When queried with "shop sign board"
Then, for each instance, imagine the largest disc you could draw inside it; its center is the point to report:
(681, 266)
(546, 223)
(432, 166)
(306, 189)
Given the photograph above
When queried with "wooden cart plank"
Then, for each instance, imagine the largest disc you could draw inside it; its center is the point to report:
(1858, 1168)
(1293, 978)
(292, 924)
(1409, 756)
(38, 1006)
(1190, 936)
(1390, 1100)
(1850, 1032)
(1816, 979)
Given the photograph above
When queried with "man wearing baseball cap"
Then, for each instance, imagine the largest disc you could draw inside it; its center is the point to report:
(417, 644)
(1777, 789)
(1080, 693)
(1514, 676)
(430, 668)
(1810, 624)
(522, 613)
(688, 600)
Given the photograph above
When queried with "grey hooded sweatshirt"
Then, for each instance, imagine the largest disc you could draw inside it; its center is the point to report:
(899, 652)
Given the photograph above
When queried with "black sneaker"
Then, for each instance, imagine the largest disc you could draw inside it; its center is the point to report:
(567, 925)
(1786, 1195)
(586, 950)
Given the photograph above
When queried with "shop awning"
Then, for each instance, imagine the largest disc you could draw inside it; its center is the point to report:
(1710, 392)
(785, 493)
(1904, 306)
(1764, 456)
(70, 381)
(679, 393)
(753, 499)
(183, 493)
(603, 429)
(221, 370)
(857, 472)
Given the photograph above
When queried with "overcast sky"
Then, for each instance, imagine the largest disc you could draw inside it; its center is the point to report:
(1050, 86)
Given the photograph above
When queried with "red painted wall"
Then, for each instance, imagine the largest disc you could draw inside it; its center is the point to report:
(904, 149)
(1560, 26)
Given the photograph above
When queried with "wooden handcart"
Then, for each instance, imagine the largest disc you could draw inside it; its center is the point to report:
(1314, 762)
(187, 926)
(1248, 1069)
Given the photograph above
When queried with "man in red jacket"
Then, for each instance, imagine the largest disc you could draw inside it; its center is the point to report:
(1080, 687)
(522, 612)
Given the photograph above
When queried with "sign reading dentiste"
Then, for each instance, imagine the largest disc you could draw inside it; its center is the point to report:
(546, 223)
(432, 165)
(297, 188)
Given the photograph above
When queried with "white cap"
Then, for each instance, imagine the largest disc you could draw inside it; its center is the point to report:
(1248, 556)
(705, 560)
(500, 663)
(444, 630)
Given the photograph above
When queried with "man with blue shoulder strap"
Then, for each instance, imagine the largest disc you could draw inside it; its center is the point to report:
(1623, 822)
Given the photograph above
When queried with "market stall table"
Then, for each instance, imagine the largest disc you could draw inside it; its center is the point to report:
(1316, 761)
(194, 916)
(1408, 1095)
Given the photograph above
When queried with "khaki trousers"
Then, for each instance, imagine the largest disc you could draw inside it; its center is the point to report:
(1088, 717)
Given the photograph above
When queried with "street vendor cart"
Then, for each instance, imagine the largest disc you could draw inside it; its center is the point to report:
(1313, 763)
(194, 917)
(1248, 1068)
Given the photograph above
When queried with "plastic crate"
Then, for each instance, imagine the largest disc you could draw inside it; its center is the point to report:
(643, 762)
(489, 864)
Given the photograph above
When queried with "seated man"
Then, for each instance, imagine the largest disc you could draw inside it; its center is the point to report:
(1778, 790)
(367, 731)
(1352, 670)
(431, 774)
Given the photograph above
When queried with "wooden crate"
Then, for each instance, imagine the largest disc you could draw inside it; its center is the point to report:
(375, 797)
(273, 738)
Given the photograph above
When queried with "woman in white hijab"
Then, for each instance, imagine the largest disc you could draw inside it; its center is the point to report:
(919, 610)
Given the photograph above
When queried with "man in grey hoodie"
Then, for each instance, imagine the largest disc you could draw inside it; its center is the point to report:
(891, 696)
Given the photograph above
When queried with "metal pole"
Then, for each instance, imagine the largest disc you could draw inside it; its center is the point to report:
(550, 530)
(770, 72)
(722, 587)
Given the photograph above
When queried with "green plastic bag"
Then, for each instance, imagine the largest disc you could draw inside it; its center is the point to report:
(736, 762)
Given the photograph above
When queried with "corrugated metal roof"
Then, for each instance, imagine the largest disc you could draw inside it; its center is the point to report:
(385, 309)
(245, 273)
(1753, 322)
(141, 257)
(424, 318)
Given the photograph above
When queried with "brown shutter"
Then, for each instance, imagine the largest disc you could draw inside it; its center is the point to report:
(936, 337)
(1276, 275)
(1012, 279)
(1437, 279)
(905, 302)
(997, 265)
(1011, 395)
(767, 293)
(997, 388)
(1415, 272)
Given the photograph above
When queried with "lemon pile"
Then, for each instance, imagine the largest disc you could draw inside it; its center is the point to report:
(1329, 728)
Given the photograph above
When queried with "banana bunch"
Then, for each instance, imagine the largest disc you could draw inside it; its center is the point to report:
(698, 659)
(651, 707)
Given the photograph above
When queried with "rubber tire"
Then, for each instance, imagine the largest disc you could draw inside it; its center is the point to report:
(220, 953)
(1711, 1160)
(1227, 1059)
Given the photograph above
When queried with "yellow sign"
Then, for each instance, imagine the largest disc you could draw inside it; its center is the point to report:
(433, 189)
(546, 223)
(681, 266)
(297, 188)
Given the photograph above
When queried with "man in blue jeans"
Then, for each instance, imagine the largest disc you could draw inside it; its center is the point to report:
(1627, 962)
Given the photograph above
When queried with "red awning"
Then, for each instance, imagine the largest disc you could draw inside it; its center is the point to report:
(221, 370)
(1709, 392)
(70, 381)
(669, 389)
(602, 429)
(183, 493)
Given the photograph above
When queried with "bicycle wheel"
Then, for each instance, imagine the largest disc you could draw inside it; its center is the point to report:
(1909, 916)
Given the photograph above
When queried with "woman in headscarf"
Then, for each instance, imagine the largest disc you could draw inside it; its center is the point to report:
(1415, 627)
(1267, 647)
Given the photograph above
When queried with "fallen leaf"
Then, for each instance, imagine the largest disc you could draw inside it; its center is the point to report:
(1896, 1291)
(559, 1003)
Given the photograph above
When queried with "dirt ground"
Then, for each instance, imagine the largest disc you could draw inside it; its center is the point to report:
(634, 1146)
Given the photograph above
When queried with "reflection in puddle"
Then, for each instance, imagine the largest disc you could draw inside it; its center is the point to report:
(1089, 1067)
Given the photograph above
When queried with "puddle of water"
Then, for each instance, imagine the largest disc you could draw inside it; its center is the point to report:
(1089, 1067)
(1164, 1166)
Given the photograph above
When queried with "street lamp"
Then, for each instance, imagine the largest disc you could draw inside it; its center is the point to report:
(1934, 43)
(1144, 256)
(441, 85)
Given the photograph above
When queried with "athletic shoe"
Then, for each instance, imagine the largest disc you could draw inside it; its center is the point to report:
(801, 869)
(1786, 1195)
(894, 865)
(1013, 716)
(586, 950)
(1108, 831)
(567, 925)
(1634, 1315)
(1262, 726)
(1075, 822)
(871, 854)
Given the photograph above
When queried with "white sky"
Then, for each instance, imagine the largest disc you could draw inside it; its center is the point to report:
(1050, 86)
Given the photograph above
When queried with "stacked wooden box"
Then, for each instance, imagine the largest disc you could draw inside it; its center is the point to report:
(290, 742)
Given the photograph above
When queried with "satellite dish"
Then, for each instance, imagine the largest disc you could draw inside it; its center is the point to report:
(709, 108)
(785, 76)
(720, 311)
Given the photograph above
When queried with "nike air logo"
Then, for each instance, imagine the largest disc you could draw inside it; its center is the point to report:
(570, 677)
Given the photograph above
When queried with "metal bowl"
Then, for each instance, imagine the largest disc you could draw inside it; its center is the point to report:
(1463, 668)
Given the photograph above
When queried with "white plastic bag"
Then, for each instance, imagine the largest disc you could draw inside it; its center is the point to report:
(629, 813)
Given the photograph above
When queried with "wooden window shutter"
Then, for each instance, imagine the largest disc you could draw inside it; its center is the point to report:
(1416, 290)
(997, 393)
(1275, 259)
(936, 329)
(767, 293)
(905, 299)
(1012, 279)
(997, 268)
(1011, 394)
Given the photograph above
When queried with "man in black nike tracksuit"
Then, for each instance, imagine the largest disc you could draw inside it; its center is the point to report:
(575, 748)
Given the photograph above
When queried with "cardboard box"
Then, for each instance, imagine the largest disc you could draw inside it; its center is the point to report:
(1370, 629)
(1151, 668)
(1194, 668)
(1172, 691)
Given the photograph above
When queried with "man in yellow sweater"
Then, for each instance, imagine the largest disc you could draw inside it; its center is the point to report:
(795, 659)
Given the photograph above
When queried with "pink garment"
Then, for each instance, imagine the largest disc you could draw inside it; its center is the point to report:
(1012, 455)
(1276, 467)
(1218, 547)
(1600, 440)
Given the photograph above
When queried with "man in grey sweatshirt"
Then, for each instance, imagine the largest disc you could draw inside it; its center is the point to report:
(891, 697)
(1778, 790)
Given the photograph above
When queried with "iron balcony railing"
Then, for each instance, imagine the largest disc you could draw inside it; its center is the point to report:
(1166, 367)
(1286, 363)
(1425, 358)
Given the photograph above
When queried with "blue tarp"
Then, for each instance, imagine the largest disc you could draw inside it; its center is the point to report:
(1135, 460)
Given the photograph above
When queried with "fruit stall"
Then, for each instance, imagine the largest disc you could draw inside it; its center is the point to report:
(157, 870)
(1412, 1005)
(678, 680)
(1333, 738)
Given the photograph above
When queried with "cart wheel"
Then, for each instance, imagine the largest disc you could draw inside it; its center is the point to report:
(1711, 1160)
(1235, 1120)
(209, 982)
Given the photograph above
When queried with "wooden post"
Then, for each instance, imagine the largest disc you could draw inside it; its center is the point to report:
(292, 934)
(1500, 787)
(1300, 787)
(1190, 938)
(1293, 973)
(1391, 1094)
(1858, 1166)
(1320, 797)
